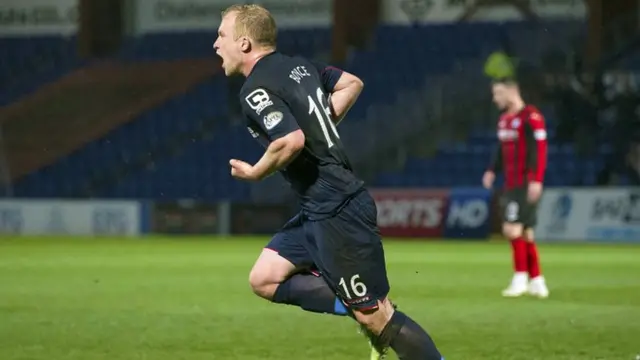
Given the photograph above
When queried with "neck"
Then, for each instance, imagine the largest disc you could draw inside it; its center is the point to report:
(516, 106)
(253, 60)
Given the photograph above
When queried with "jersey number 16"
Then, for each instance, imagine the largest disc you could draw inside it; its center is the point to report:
(323, 116)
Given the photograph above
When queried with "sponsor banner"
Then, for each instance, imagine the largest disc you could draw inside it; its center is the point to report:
(590, 214)
(186, 217)
(183, 15)
(446, 11)
(38, 17)
(468, 214)
(411, 213)
(51, 217)
(259, 219)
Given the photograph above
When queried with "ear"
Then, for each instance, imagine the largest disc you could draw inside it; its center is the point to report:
(245, 44)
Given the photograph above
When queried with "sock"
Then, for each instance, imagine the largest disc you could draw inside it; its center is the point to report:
(408, 339)
(520, 258)
(533, 260)
(311, 293)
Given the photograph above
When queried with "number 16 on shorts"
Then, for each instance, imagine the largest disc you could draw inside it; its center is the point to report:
(354, 290)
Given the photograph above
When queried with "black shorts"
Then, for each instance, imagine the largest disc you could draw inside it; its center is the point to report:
(516, 208)
(346, 249)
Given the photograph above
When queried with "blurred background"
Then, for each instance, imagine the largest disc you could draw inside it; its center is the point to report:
(116, 118)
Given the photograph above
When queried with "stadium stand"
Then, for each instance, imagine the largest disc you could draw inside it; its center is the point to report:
(179, 148)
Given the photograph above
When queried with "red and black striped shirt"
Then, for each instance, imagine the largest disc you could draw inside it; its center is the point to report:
(522, 150)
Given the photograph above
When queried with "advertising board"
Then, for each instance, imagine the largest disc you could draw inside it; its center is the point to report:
(69, 217)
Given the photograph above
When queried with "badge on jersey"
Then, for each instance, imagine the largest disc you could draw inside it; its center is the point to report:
(535, 116)
(272, 119)
(258, 100)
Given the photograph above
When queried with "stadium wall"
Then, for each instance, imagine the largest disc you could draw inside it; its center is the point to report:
(450, 213)
(60, 17)
(565, 214)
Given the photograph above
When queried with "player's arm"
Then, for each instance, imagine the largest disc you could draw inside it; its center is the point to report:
(536, 140)
(344, 89)
(496, 161)
(495, 165)
(279, 154)
(344, 95)
(272, 114)
(536, 136)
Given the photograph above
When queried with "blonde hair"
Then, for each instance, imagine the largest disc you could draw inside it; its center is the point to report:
(255, 22)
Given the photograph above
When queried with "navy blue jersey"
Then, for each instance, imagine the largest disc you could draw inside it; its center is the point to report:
(283, 94)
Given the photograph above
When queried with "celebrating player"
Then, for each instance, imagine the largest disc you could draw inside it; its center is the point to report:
(285, 100)
(522, 156)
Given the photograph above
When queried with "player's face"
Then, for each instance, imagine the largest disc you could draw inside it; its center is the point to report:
(228, 47)
(501, 96)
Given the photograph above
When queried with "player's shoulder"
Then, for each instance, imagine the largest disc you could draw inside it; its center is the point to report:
(274, 72)
(533, 112)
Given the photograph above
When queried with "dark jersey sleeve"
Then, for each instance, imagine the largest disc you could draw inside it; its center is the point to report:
(329, 75)
(496, 159)
(269, 112)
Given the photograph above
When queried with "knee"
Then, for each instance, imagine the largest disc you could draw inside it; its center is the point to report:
(512, 231)
(268, 272)
(529, 235)
(375, 320)
(261, 283)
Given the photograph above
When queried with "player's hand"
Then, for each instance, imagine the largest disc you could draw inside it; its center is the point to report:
(242, 170)
(488, 178)
(534, 192)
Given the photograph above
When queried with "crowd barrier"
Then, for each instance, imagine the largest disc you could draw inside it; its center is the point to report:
(565, 214)
(74, 217)
(590, 214)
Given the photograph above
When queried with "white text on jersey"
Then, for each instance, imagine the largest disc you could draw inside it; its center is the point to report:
(298, 73)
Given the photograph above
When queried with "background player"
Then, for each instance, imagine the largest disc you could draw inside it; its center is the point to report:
(285, 101)
(522, 156)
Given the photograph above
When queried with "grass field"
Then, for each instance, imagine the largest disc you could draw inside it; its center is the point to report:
(162, 299)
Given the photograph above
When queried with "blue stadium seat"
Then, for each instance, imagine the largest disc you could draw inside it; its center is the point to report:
(402, 59)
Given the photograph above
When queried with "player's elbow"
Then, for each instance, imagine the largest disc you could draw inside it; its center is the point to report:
(357, 84)
(293, 142)
(349, 81)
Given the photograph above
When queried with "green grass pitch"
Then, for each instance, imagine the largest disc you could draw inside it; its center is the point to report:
(188, 298)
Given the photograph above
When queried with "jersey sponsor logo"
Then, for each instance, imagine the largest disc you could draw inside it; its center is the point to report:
(540, 134)
(272, 119)
(507, 134)
(258, 100)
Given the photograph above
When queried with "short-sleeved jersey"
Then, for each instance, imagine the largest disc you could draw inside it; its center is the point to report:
(283, 94)
(522, 149)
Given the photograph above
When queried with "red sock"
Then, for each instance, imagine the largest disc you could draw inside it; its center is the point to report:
(519, 250)
(533, 260)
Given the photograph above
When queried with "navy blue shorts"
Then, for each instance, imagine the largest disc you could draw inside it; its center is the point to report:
(346, 249)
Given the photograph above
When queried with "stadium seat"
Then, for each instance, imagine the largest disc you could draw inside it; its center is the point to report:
(403, 61)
